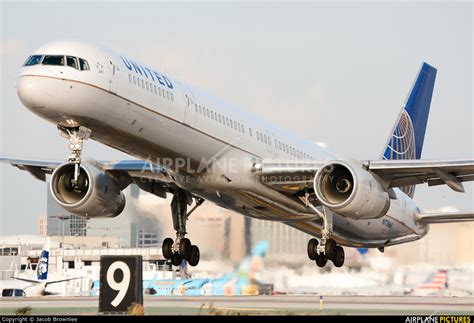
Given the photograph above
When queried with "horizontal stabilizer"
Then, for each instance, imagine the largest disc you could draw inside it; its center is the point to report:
(444, 217)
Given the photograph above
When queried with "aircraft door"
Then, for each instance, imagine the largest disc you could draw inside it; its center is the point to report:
(113, 76)
(276, 151)
(189, 113)
(270, 140)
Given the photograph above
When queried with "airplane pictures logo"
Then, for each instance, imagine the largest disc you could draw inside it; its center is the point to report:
(438, 319)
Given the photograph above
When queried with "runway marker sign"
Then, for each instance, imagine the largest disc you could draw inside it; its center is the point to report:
(120, 283)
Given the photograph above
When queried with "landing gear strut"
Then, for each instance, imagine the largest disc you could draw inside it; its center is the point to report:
(76, 137)
(181, 248)
(327, 249)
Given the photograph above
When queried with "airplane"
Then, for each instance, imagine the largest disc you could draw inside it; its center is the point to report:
(20, 287)
(244, 280)
(434, 284)
(199, 148)
(240, 282)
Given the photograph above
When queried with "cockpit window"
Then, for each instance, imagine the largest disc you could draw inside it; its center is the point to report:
(83, 64)
(33, 60)
(72, 61)
(53, 60)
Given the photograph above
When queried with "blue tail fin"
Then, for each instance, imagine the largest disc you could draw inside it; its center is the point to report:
(407, 136)
(43, 262)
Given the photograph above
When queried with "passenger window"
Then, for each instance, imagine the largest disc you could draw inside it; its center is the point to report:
(250, 132)
(147, 86)
(168, 95)
(7, 292)
(72, 62)
(143, 84)
(134, 80)
(84, 66)
(171, 97)
(129, 78)
(57, 60)
(33, 60)
(196, 107)
(154, 87)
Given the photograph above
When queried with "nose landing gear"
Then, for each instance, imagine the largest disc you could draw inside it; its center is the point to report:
(76, 137)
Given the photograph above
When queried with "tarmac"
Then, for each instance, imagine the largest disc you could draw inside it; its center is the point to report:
(259, 305)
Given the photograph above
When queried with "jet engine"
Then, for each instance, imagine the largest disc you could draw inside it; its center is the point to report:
(349, 190)
(94, 195)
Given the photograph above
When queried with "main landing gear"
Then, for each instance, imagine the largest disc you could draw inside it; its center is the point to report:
(331, 251)
(182, 247)
(326, 249)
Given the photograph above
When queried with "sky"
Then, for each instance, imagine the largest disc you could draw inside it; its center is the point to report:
(331, 72)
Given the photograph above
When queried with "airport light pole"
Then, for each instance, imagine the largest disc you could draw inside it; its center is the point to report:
(61, 219)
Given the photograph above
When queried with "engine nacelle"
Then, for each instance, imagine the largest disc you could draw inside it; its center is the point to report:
(348, 189)
(97, 195)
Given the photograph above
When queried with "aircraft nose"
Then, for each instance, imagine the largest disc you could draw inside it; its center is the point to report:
(35, 92)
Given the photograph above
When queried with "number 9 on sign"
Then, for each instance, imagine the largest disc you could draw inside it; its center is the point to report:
(121, 286)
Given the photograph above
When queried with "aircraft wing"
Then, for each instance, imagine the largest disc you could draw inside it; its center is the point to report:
(444, 217)
(287, 176)
(131, 169)
(37, 168)
(396, 173)
(61, 280)
(295, 176)
(34, 281)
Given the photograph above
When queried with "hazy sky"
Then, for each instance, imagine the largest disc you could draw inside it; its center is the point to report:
(336, 73)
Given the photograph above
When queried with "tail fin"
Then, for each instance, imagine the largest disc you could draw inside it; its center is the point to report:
(435, 281)
(253, 263)
(43, 262)
(407, 136)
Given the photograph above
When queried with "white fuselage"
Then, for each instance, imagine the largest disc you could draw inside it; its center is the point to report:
(30, 289)
(181, 127)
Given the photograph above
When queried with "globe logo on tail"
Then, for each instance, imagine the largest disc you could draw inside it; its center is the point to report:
(402, 145)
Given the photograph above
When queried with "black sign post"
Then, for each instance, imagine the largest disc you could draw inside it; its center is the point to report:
(120, 283)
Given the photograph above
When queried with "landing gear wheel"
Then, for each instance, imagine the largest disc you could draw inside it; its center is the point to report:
(321, 260)
(167, 248)
(194, 256)
(185, 248)
(331, 249)
(176, 259)
(339, 260)
(312, 245)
